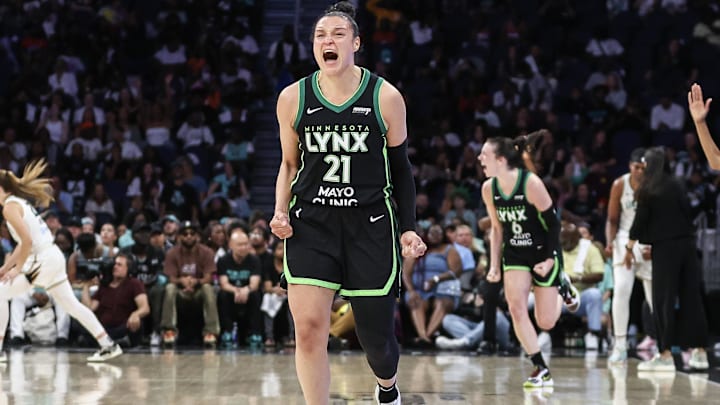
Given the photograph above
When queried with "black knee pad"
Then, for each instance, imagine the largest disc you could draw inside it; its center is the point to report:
(375, 328)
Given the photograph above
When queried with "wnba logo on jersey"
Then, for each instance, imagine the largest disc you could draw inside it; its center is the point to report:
(361, 110)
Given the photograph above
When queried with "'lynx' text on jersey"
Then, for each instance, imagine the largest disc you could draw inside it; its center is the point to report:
(343, 159)
(522, 225)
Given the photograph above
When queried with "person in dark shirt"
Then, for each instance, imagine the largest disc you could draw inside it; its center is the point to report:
(240, 296)
(664, 221)
(149, 270)
(121, 304)
(179, 197)
(189, 266)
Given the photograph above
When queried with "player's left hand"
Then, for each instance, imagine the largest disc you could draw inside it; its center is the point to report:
(543, 268)
(412, 244)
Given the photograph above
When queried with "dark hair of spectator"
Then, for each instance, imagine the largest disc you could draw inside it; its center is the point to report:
(86, 242)
(342, 9)
(129, 261)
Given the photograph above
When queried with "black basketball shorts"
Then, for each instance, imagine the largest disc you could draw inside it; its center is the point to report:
(524, 259)
(353, 250)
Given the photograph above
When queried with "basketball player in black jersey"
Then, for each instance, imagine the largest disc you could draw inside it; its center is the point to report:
(344, 146)
(525, 235)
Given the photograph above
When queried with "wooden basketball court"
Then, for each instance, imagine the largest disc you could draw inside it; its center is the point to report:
(50, 376)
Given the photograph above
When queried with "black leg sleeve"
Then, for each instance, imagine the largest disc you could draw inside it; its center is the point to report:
(375, 328)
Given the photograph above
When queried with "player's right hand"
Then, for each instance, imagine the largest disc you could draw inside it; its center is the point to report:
(280, 225)
(493, 275)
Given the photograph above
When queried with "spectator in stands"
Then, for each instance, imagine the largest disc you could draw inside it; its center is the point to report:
(89, 254)
(275, 296)
(286, 57)
(108, 237)
(583, 262)
(422, 276)
(148, 269)
(260, 242)
(63, 202)
(37, 297)
(189, 266)
(180, 198)
(467, 333)
(121, 304)
(216, 239)
(667, 115)
(63, 80)
(240, 295)
(100, 206)
(52, 220)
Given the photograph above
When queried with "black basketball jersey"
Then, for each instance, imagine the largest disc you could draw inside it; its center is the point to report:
(522, 225)
(343, 156)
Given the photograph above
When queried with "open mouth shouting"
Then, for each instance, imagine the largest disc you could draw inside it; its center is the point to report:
(330, 55)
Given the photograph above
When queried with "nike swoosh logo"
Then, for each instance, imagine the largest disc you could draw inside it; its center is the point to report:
(375, 219)
(312, 110)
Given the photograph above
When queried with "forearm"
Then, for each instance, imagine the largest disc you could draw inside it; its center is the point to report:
(403, 186)
(85, 297)
(708, 145)
(611, 228)
(282, 187)
(495, 248)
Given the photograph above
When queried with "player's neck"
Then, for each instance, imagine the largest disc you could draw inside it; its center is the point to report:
(341, 85)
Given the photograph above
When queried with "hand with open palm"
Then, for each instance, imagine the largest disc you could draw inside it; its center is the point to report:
(698, 107)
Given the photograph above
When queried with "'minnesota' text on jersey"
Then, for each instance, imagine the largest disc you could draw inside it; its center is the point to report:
(522, 225)
(343, 156)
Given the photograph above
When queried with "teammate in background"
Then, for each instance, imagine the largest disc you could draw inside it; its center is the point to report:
(525, 243)
(343, 135)
(36, 258)
(621, 213)
(699, 109)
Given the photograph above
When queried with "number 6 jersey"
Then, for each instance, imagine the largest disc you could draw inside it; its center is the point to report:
(343, 157)
(522, 224)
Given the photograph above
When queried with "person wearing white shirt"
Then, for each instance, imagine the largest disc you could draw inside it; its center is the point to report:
(667, 115)
(194, 132)
(89, 104)
(63, 80)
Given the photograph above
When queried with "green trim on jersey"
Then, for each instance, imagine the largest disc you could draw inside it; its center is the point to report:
(339, 108)
(387, 190)
(520, 179)
(376, 101)
(301, 103)
(395, 268)
(542, 220)
(302, 164)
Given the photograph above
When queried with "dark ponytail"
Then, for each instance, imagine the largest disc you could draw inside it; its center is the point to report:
(519, 151)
